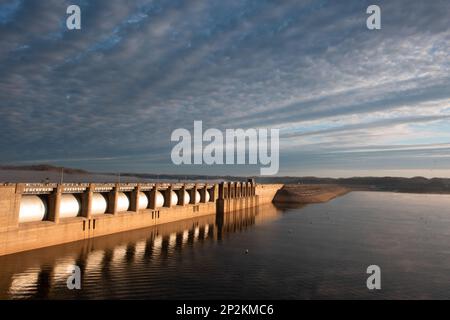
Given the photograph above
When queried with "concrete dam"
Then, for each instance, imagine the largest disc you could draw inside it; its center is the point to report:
(34, 216)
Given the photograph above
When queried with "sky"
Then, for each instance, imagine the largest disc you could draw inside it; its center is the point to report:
(348, 101)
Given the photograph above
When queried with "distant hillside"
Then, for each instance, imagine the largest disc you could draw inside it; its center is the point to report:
(181, 177)
(393, 184)
(44, 167)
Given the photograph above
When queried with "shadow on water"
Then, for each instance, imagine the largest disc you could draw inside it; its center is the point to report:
(287, 206)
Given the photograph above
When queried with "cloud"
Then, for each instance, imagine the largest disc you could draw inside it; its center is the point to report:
(140, 69)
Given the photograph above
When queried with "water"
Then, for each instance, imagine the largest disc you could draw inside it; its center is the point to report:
(314, 252)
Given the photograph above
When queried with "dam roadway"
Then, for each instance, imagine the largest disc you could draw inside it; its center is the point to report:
(34, 216)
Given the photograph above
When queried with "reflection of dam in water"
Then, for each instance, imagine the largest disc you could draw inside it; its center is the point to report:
(106, 261)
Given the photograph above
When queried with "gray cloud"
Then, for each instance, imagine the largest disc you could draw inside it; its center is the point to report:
(139, 69)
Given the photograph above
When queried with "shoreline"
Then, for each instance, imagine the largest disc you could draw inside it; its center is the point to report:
(306, 194)
(303, 194)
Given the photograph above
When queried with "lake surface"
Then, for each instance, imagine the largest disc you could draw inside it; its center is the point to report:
(314, 252)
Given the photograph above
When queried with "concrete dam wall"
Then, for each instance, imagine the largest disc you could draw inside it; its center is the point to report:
(33, 216)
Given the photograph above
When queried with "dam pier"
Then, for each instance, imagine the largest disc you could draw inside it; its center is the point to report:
(34, 216)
